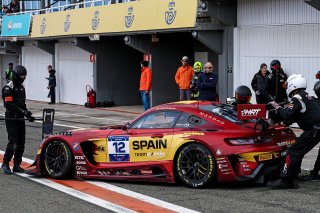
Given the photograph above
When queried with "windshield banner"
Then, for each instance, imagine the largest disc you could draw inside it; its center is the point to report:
(251, 111)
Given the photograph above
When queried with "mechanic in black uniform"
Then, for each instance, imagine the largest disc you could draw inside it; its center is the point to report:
(14, 98)
(314, 173)
(278, 81)
(304, 110)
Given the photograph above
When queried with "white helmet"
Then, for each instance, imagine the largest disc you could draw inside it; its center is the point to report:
(295, 81)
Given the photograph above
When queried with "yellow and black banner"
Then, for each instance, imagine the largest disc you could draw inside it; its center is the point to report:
(140, 15)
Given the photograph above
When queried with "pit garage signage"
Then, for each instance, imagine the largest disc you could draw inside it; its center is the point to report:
(126, 17)
(251, 111)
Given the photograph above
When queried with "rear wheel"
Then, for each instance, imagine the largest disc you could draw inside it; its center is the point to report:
(58, 160)
(195, 166)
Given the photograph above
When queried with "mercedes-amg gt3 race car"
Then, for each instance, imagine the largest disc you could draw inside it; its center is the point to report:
(198, 143)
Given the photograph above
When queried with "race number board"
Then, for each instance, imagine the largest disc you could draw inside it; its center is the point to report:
(118, 148)
(47, 122)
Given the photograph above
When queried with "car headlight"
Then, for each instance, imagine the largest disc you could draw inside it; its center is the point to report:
(254, 140)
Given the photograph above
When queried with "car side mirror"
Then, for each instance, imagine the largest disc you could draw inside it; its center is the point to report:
(125, 126)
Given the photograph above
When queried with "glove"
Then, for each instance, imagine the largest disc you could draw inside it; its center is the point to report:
(31, 118)
(27, 113)
(257, 92)
(274, 104)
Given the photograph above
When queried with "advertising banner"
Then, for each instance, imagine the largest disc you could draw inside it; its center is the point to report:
(141, 15)
(15, 25)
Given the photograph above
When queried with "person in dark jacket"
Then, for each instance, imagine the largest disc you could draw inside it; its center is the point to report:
(278, 82)
(52, 85)
(261, 84)
(304, 110)
(14, 99)
(13, 7)
(207, 82)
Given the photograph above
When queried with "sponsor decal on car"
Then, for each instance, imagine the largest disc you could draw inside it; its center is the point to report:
(192, 133)
(286, 143)
(211, 117)
(76, 146)
(265, 157)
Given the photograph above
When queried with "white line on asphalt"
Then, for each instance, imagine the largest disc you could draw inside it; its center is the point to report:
(142, 197)
(86, 116)
(123, 191)
(77, 194)
(63, 125)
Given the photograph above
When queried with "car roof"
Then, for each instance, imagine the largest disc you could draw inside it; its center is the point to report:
(185, 104)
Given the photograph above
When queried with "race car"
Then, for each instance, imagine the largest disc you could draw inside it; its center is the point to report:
(198, 143)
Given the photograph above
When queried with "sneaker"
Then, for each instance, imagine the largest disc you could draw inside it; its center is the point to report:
(283, 184)
(311, 176)
(18, 169)
(6, 169)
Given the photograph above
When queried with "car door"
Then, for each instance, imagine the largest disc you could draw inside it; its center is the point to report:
(147, 139)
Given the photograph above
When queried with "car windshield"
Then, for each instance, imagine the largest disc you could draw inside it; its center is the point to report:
(222, 110)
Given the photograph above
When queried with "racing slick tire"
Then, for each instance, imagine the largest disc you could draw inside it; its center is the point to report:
(58, 160)
(195, 166)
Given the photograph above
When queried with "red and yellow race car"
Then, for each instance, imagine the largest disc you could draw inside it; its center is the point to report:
(198, 143)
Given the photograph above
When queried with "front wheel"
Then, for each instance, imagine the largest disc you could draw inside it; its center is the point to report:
(58, 160)
(195, 166)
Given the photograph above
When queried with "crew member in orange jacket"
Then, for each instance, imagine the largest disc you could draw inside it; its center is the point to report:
(183, 78)
(145, 84)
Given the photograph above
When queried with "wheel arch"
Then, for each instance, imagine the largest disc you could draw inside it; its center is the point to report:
(42, 164)
(174, 169)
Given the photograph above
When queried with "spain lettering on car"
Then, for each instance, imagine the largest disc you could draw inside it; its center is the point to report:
(151, 144)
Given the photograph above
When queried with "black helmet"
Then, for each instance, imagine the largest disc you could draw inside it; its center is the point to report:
(19, 74)
(318, 75)
(243, 95)
(275, 65)
(316, 88)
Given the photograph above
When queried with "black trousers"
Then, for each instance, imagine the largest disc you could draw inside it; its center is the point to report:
(53, 94)
(262, 99)
(296, 152)
(316, 167)
(16, 135)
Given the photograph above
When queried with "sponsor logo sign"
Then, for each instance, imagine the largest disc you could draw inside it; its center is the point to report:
(95, 20)
(171, 13)
(15, 25)
(128, 20)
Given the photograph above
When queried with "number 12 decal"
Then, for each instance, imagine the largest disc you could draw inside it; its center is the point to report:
(119, 147)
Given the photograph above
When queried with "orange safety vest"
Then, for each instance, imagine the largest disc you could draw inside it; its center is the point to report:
(183, 76)
(145, 79)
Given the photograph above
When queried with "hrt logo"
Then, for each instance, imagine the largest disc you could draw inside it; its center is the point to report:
(250, 112)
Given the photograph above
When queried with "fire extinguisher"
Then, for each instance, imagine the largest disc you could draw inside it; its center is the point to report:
(91, 97)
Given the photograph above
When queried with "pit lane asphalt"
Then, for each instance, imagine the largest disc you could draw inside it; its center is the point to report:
(21, 195)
